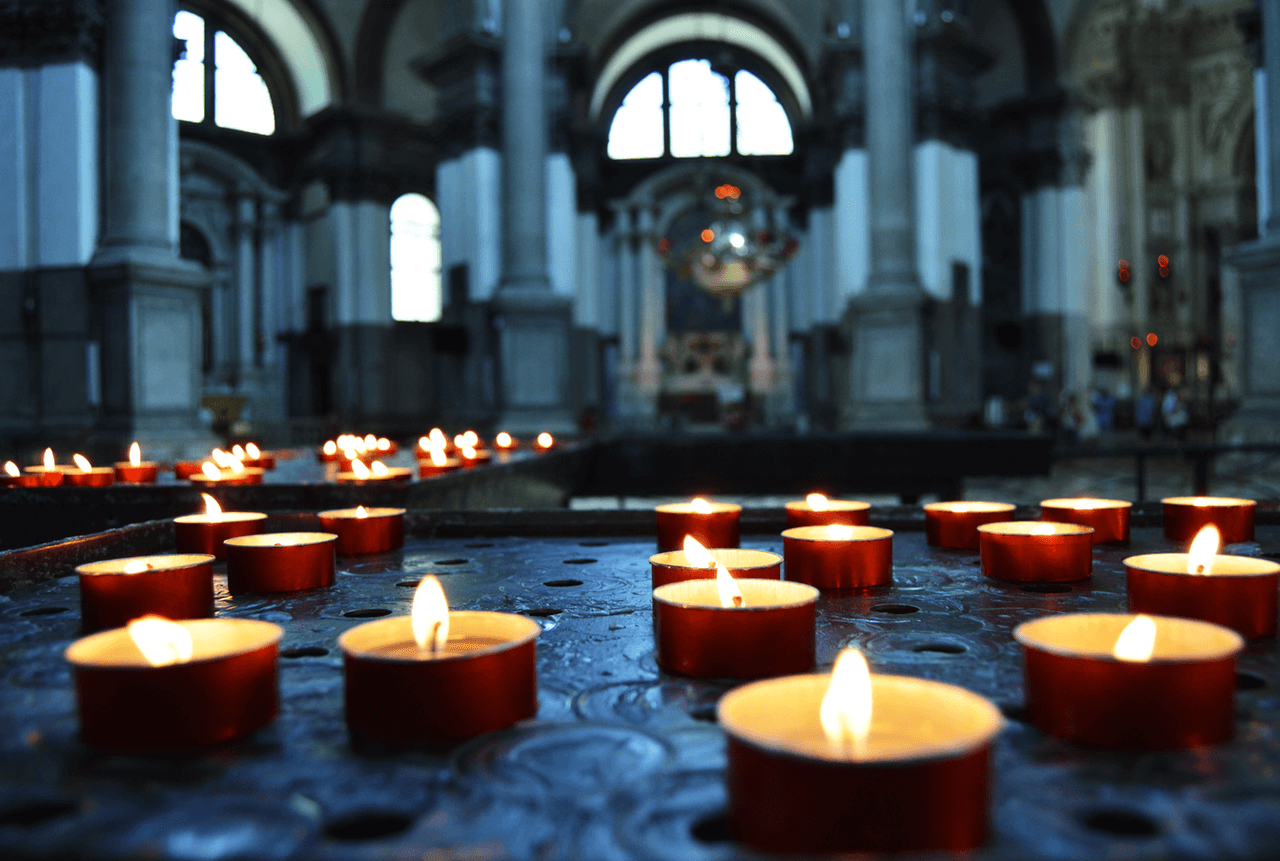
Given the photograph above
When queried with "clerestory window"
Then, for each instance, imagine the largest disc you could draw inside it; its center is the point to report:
(215, 81)
(415, 259)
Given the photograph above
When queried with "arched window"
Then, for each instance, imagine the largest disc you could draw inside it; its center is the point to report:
(415, 259)
(690, 110)
(214, 81)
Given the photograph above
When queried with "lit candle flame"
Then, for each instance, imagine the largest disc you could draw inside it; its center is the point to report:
(1200, 502)
(236, 466)
(221, 458)
(82, 462)
(253, 450)
(358, 467)
(468, 452)
(1203, 548)
(438, 457)
(701, 506)
(211, 472)
(135, 455)
(237, 451)
(379, 469)
(11, 469)
(963, 507)
(212, 509)
(330, 448)
(430, 617)
(49, 462)
(361, 514)
(1086, 504)
(471, 438)
(384, 444)
(697, 555)
(459, 441)
(503, 440)
(425, 444)
(840, 532)
(1137, 641)
(136, 566)
(730, 594)
(161, 642)
(545, 440)
(817, 502)
(846, 709)
(1043, 529)
(370, 441)
(438, 437)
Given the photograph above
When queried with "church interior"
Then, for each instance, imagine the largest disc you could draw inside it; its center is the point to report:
(918, 334)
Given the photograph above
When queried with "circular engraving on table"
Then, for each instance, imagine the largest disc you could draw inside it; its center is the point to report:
(652, 703)
(678, 816)
(238, 827)
(371, 567)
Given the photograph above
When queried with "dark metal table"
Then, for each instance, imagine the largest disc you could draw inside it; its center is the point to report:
(623, 761)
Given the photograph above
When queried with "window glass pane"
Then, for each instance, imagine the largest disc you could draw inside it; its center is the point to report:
(415, 259)
(188, 71)
(240, 97)
(699, 110)
(636, 131)
(763, 127)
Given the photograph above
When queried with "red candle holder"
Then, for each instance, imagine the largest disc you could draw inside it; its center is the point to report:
(117, 591)
(843, 557)
(280, 561)
(204, 533)
(144, 472)
(771, 634)
(954, 525)
(251, 475)
(229, 688)
(430, 469)
(486, 679)
(47, 477)
(847, 512)
(1238, 592)
(22, 480)
(1184, 516)
(380, 530)
(98, 476)
(1108, 518)
(1076, 688)
(184, 469)
(266, 460)
(1014, 551)
(395, 474)
(717, 527)
(791, 793)
(674, 566)
(479, 458)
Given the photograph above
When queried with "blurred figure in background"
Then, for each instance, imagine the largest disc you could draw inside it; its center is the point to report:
(1144, 414)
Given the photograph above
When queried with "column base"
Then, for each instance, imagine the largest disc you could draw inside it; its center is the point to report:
(887, 385)
(533, 328)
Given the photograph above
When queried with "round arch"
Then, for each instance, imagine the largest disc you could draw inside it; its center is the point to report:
(316, 80)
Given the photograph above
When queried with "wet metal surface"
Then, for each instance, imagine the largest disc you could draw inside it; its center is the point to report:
(623, 761)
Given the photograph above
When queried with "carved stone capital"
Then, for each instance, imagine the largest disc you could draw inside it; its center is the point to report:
(43, 32)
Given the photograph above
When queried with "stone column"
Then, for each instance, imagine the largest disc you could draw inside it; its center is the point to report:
(652, 307)
(533, 323)
(887, 375)
(147, 299)
(1271, 66)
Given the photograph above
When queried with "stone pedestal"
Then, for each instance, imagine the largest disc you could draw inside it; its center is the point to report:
(533, 331)
(1259, 417)
(887, 380)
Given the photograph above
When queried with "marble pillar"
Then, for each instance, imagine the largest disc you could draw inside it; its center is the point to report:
(147, 300)
(887, 390)
(653, 307)
(533, 323)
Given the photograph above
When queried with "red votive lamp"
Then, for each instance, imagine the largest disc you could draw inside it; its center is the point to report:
(713, 524)
(204, 533)
(184, 469)
(749, 629)
(433, 466)
(472, 457)
(378, 473)
(148, 687)
(363, 530)
(136, 470)
(49, 473)
(1106, 680)
(250, 455)
(1185, 516)
(544, 442)
(1036, 551)
(839, 556)
(695, 562)
(85, 474)
(280, 561)
(505, 442)
(1109, 518)
(116, 591)
(11, 476)
(817, 510)
(853, 762)
(439, 677)
(1237, 592)
(234, 474)
(954, 525)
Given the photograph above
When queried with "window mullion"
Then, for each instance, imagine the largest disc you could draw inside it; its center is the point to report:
(666, 113)
(733, 113)
(210, 69)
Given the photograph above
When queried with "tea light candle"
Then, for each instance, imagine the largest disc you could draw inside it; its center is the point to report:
(437, 464)
(1106, 680)
(817, 510)
(328, 452)
(85, 474)
(148, 687)
(280, 561)
(847, 762)
(472, 457)
(505, 441)
(1184, 516)
(838, 556)
(439, 676)
(695, 562)
(954, 525)
(545, 442)
(49, 474)
(211, 475)
(1109, 518)
(1237, 592)
(205, 533)
(11, 476)
(184, 469)
(376, 473)
(1035, 551)
(701, 631)
(135, 470)
(714, 524)
(176, 586)
(363, 530)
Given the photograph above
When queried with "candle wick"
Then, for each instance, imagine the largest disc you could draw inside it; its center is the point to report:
(737, 600)
(435, 641)
(1199, 569)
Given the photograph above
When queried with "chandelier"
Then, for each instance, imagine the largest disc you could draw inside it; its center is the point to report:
(714, 245)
